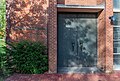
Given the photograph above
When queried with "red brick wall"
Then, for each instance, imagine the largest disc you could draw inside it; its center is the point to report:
(80, 2)
(52, 36)
(109, 36)
(100, 1)
(61, 1)
(27, 19)
(101, 40)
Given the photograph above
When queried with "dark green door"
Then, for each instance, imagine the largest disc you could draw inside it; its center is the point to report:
(77, 42)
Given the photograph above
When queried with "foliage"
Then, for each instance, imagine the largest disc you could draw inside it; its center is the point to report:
(2, 18)
(3, 72)
(2, 53)
(27, 57)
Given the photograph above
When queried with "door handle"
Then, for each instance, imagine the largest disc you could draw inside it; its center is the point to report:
(73, 46)
(81, 46)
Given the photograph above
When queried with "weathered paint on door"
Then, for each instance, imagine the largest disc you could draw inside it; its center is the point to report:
(77, 41)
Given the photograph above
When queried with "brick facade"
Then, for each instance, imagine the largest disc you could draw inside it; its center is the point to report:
(52, 36)
(80, 2)
(27, 19)
(109, 36)
(101, 40)
(36, 20)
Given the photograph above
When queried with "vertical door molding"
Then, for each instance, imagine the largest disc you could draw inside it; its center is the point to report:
(101, 40)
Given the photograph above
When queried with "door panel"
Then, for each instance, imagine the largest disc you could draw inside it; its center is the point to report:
(77, 40)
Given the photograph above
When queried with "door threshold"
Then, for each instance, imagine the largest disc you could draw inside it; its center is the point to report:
(83, 70)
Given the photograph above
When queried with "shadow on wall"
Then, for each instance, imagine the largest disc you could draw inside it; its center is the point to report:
(27, 19)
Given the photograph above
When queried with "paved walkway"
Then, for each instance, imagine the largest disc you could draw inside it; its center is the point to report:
(65, 77)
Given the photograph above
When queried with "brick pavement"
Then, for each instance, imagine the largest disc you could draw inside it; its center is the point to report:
(65, 77)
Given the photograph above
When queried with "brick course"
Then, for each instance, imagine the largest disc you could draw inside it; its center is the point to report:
(100, 2)
(80, 2)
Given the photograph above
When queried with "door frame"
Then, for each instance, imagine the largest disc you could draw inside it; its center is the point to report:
(105, 36)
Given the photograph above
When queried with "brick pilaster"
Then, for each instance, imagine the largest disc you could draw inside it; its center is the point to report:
(52, 36)
(109, 36)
